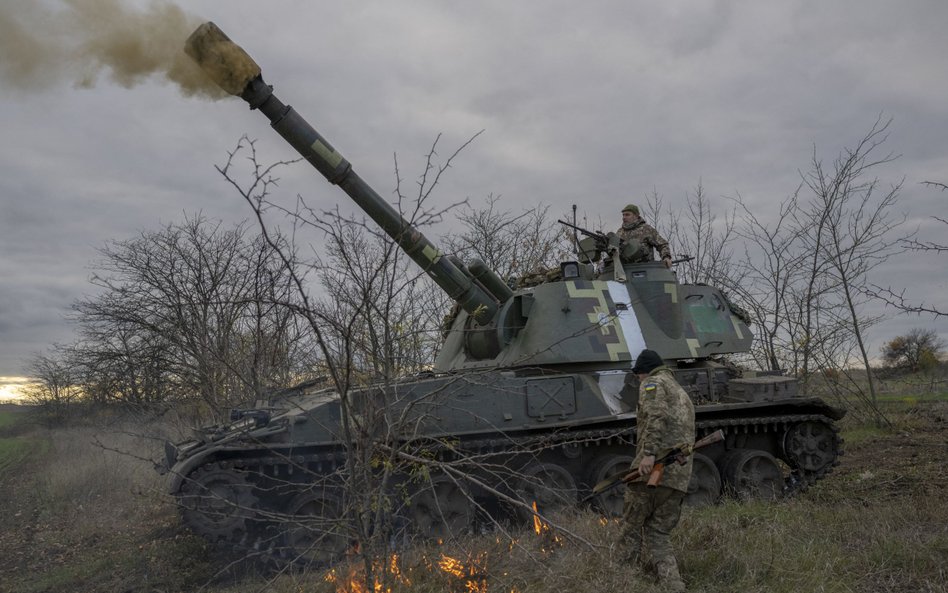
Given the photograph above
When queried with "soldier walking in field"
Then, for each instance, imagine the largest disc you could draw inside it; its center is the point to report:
(635, 227)
(665, 418)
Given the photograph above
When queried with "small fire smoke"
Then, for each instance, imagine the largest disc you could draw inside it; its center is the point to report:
(86, 39)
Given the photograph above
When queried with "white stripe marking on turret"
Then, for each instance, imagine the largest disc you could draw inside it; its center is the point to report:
(628, 323)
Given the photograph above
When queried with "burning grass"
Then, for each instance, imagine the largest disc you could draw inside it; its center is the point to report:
(83, 518)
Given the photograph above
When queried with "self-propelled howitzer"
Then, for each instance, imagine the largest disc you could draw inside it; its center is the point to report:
(534, 381)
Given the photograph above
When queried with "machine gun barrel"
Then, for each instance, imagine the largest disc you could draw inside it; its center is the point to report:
(236, 72)
(587, 232)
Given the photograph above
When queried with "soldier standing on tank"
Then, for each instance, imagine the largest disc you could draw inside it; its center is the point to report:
(635, 227)
(665, 418)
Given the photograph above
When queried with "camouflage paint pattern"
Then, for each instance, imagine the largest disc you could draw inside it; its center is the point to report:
(607, 322)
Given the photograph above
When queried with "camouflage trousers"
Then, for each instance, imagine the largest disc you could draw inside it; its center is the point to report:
(649, 517)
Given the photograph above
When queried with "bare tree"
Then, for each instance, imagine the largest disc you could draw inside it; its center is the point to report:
(857, 226)
(366, 321)
(189, 309)
(805, 272)
(898, 298)
(510, 244)
(765, 279)
(706, 238)
(118, 363)
(55, 387)
(379, 306)
(370, 311)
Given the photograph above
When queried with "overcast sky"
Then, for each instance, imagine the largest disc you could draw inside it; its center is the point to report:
(594, 103)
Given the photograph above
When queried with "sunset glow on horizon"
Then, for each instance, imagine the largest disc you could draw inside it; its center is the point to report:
(11, 388)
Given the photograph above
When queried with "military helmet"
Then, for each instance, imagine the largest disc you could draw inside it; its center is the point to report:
(631, 208)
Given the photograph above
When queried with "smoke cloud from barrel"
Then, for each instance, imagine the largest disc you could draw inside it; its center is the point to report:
(44, 45)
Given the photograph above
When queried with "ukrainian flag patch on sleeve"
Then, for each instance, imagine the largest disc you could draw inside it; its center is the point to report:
(650, 387)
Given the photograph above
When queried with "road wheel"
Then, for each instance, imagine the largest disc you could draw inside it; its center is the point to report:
(218, 503)
(316, 530)
(750, 474)
(441, 509)
(704, 489)
(549, 485)
(611, 502)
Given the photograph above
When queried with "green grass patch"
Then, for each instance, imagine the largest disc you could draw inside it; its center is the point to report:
(912, 397)
(857, 435)
(16, 420)
(15, 450)
(7, 419)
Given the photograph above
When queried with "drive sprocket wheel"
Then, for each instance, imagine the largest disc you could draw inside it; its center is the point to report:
(811, 446)
(218, 503)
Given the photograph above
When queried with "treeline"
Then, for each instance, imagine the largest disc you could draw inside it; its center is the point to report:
(806, 268)
(211, 316)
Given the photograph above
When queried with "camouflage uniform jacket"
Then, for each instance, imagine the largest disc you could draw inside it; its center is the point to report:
(647, 236)
(665, 418)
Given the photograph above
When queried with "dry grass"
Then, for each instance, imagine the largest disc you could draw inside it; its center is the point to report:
(85, 512)
(89, 515)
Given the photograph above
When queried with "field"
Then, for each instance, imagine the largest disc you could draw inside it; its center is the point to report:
(82, 509)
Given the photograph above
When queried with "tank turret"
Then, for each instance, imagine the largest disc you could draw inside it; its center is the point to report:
(544, 369)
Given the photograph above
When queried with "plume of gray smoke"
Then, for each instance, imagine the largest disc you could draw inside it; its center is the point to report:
(43, 45)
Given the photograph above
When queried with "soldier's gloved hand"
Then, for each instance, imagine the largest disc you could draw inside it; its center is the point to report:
(667, 261)
(646, 465)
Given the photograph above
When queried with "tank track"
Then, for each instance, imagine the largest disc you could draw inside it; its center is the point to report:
(242, 530)
(799, 478)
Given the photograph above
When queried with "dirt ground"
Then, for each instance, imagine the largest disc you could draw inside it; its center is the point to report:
(131, 540)
(909, 455)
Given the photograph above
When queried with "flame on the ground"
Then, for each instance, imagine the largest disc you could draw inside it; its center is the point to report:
(465, 576)
(473, 573)
(539, 526)
(548, 536)
(355, 579)
(469, 576)
(394, 569)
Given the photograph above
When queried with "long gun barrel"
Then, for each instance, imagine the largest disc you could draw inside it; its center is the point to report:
(236, 72)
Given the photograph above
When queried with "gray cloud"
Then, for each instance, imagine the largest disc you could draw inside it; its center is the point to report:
(589, 104)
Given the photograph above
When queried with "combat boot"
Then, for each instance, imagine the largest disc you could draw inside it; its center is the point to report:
(668, 575)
